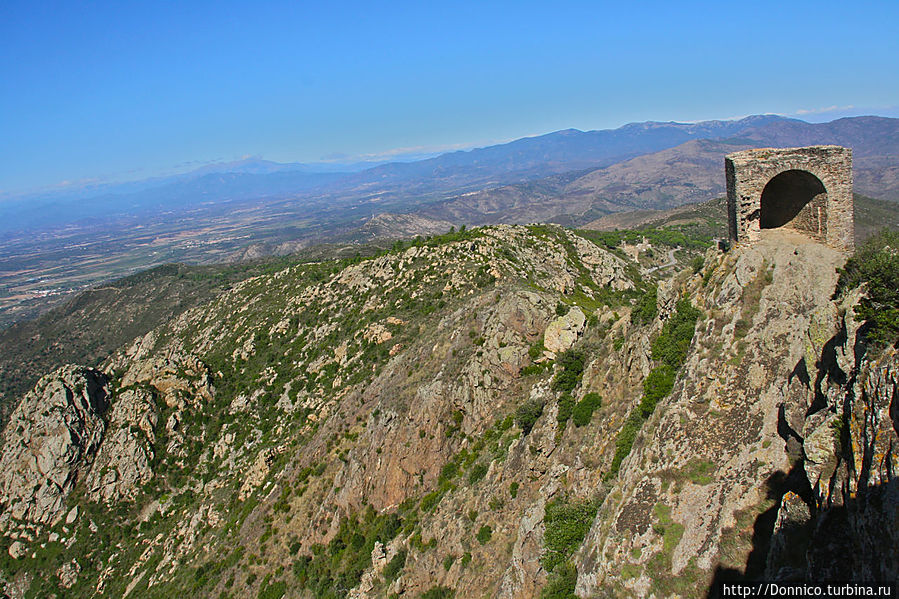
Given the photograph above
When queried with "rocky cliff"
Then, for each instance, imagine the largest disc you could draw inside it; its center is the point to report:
(504, 412)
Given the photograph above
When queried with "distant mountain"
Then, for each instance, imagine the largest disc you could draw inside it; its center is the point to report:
(652, 164)
(867, 135)
(54, 244)
(686, 173)
(253, 179)
(562, 151)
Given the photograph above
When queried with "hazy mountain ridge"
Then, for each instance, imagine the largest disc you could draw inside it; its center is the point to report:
(525, 158)
(687, 173)
(215, 217)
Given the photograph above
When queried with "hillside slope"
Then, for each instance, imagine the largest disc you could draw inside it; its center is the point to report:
(507, 411)
(870, 216)
(99, 320)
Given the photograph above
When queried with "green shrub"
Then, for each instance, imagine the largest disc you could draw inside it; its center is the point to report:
(466, 559)
(657, 385)
(527, 414)
(566, 524)
(561, 583)
(572, 367)
(876, 265)
(485, 533)
(439, 592)
(395, 566)
(448, 562)
(478, 472)
(449, 471)
(671, 349)
(583, 410)
(532, 369)
(342, 563)
(673, 342)
(275, 590)
(430, 500)
(697, 263)
(536, 349)
(646, 308)
(513, 489)
(566, 407)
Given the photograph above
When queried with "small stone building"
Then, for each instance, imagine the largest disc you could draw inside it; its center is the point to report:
(804, 189)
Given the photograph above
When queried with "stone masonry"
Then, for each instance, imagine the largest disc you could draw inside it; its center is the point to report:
(804, 189)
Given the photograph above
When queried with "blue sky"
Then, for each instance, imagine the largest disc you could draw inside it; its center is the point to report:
(128, 90)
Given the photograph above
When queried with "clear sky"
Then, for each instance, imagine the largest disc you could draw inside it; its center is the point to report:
(128, 90)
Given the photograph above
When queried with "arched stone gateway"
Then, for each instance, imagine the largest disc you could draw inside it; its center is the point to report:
(804, 189)
(795, 199)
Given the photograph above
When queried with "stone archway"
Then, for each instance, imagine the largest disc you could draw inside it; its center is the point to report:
(795, 199)
(805, 189)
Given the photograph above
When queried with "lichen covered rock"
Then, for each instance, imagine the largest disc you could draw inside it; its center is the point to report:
(52, 437)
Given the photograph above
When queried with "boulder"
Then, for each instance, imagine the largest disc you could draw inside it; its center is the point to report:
(16, 550)
(562, 332)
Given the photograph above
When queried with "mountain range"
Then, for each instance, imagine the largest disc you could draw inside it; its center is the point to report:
(874, 140)
(425, 410)
(51, 244)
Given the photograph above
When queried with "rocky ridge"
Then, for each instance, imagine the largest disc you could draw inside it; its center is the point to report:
(439, 416)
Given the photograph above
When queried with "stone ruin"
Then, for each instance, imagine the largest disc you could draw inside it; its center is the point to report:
(808, 190)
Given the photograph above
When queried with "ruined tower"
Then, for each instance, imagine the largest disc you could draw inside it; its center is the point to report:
(808, 190)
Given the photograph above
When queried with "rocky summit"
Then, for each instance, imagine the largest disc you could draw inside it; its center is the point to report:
(507, 411)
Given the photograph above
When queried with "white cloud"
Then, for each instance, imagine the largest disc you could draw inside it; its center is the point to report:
(824, 110)
(409, 152)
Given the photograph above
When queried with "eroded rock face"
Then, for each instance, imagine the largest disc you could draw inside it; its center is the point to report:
(51, 438)
(761, 404)
(124, 461)
(708, 461)
(856, 531)
(178, 377)
(68, 574)
(258, 471)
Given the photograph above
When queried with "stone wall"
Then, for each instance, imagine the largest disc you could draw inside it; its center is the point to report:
(805, 189)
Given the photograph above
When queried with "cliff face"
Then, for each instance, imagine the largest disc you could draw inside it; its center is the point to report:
(453, 417)
(778, 423)
(53, 436)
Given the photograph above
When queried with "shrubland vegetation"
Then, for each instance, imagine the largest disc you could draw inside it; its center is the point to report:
(333, 569)
(669, 350)
(567, 521)
(875, 265)
(265, 348)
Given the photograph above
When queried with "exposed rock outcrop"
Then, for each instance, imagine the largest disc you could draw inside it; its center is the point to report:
(728, 444)
(856, 496)
(51, 439)
(564, 331)
(124, 460)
